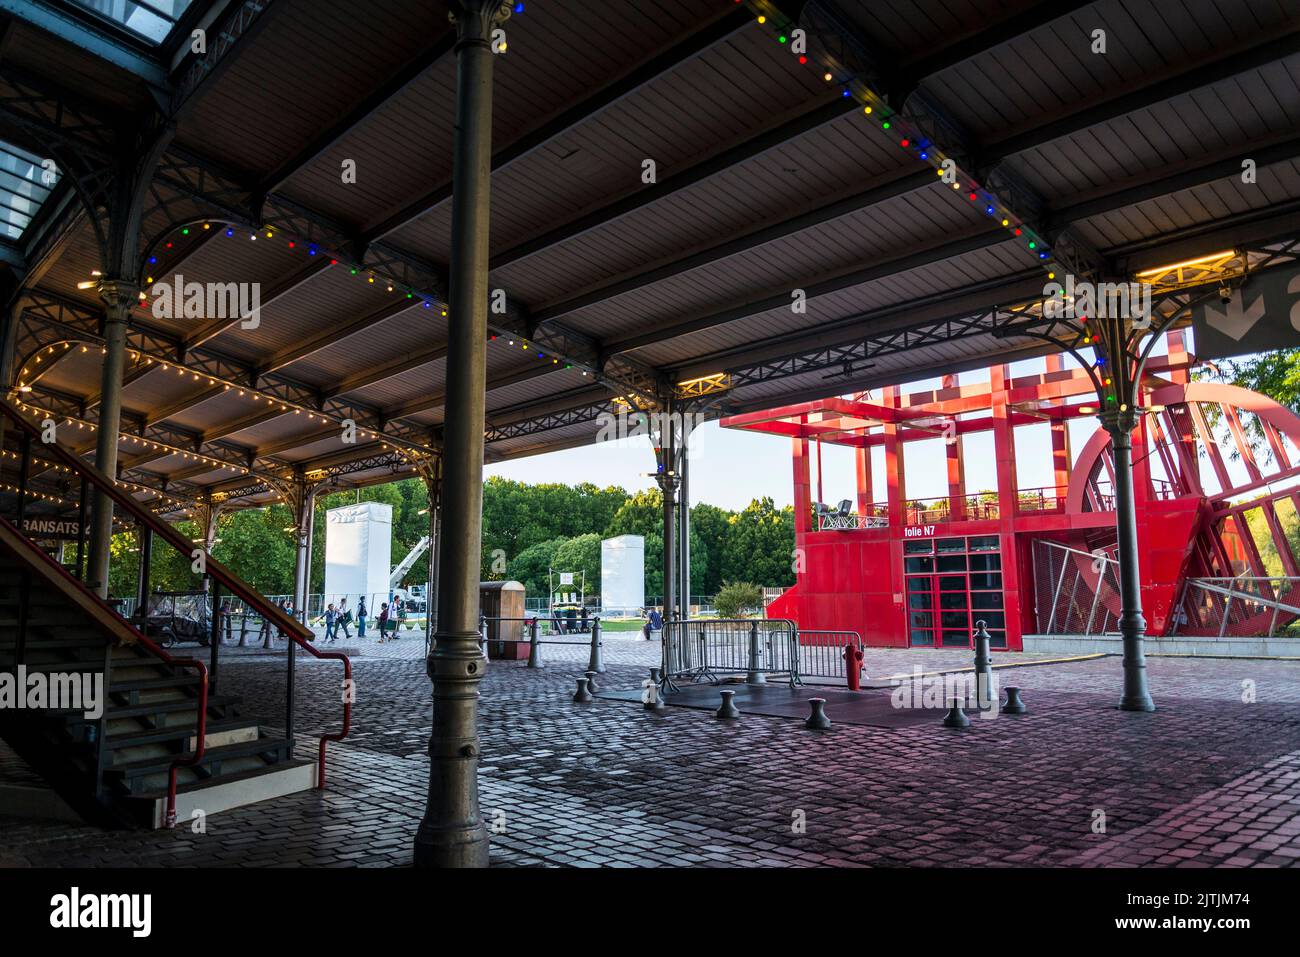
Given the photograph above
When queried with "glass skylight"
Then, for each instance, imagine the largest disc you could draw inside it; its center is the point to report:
(25, 183)
(153, 20)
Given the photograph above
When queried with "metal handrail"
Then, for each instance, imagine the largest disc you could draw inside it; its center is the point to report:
(16, 539)
(291, 628)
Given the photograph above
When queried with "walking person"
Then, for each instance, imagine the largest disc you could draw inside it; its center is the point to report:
(361, 617)
(383, 622)
(345, 618)
(331, 621)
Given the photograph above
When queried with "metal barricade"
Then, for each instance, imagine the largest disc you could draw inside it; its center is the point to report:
(822, 653)
(534, 632)
(702, 649)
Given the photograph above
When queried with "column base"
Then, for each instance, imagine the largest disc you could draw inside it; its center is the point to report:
(451, 847)
(1138, 702)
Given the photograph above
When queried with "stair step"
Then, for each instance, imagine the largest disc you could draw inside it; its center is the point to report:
(168, 706)
(160, 763)
(230, 791)
(124, 685)
(178, 732)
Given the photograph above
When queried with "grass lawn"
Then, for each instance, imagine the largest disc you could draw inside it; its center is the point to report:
(622, 624)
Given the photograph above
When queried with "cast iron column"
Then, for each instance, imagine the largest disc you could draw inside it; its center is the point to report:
(684, 529)
(668, 480)
(119, 295)
(1132, 626)
(452, 833)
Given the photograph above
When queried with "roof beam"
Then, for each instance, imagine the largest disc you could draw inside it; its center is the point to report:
(363, 112)
(1244, 58)
(747, 149)
(393, 367)
(437, 399)
(916, 69)
(983, 239)
(331, 336)
(882, 191)
(288, 284)
(711, 34)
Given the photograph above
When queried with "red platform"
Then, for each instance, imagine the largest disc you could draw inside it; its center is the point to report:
(903, 572)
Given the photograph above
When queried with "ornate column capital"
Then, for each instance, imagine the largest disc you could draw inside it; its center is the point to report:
(475, 19)
(119, 295)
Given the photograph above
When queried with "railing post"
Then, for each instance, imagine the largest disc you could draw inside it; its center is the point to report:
(755, 676)
(24, 471)
(534, 646)
(596, 661)
(81, 531)
(214, 637)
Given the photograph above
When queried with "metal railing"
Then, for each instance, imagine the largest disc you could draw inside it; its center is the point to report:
(498, 632)
(1241, 607)
(1075, 592)
(701, 649)
(149, 527)
(822, 654)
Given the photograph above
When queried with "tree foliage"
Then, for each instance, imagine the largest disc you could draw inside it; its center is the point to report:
(535, 527)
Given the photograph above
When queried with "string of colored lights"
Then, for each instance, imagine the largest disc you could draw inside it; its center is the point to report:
(909, 138)
(906, 135)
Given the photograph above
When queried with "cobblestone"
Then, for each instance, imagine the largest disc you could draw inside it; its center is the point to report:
(1208, 780)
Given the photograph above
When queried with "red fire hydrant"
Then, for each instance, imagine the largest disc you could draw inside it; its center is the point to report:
(853, 665)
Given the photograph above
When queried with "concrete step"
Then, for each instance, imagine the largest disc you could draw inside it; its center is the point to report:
(232, 791)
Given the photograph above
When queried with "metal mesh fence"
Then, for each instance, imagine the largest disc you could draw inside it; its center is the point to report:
(1076, 592)
(1241, 607)
(703, 649)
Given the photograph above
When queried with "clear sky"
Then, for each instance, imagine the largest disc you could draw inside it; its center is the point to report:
(729, 468)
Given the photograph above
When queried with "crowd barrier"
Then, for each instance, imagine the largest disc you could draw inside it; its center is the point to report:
(704, 648)
(499, 632)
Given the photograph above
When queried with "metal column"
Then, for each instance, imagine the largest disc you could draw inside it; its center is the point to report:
(684, 524)
(452, 833)
(668, 480)
(1132, 626)
(119, 296)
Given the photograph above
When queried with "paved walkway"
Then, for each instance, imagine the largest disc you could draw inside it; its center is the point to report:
(1212, 778)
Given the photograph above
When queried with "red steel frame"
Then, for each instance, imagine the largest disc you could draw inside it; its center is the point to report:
(855, 579)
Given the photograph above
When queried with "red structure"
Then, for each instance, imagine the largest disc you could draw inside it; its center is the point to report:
(1217, 493)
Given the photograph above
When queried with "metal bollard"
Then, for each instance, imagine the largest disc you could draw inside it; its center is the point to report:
(534, 646)
(596, 661)
(1014, 704)
(656, 701)
(583, 695)
(591, 682)
(853, 666)
(755, 676)
(817, 720)
(956, 717)
(983, 669)
(728, 709)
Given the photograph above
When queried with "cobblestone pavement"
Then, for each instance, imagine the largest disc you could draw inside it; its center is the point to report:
(1209, 779)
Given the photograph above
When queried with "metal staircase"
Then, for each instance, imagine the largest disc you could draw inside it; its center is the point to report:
(162, 748)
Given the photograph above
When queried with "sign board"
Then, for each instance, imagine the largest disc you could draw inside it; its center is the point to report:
(918, 531)
(61, 528)
(1262, 315)
(566, 578)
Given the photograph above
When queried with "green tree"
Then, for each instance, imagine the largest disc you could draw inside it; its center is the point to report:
(581, 555)
(709, 524)
(738, 598)
(529, 566)
(760, 545)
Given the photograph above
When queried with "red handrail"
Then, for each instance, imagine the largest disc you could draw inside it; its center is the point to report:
(290, 627)
(53, 571)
